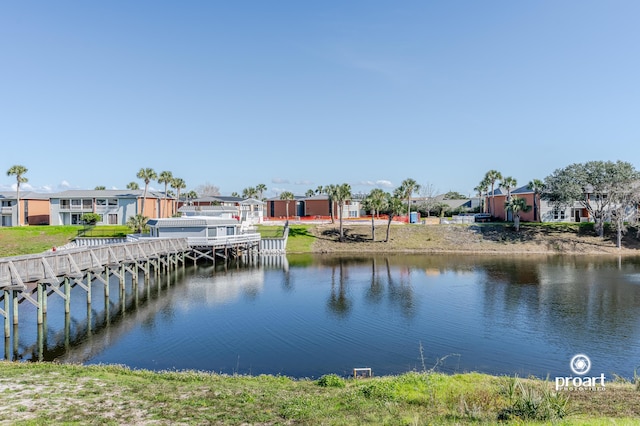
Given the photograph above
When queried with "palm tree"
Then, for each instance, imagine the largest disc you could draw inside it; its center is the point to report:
(310, 193)
(537, 186)
(191, 195)
(375, 201)
(342, 195)
(100, 188)
(178, 184)
(165, 177)
(492, 176)
(133, 186)
(319, 190)
(482, 188)
(288, 197)
(147, 175)
(138, 222)
(394, 207)
(516, 205)
(249, 192)
(407, 188)
(18, 171)
(508, 183)
(261, 188)
(330, 190)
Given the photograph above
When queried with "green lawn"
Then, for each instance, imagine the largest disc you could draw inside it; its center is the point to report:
(299, 241)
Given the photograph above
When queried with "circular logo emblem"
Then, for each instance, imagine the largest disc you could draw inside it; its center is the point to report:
(580, 364)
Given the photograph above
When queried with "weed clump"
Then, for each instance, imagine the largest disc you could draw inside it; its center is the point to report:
(331, 381)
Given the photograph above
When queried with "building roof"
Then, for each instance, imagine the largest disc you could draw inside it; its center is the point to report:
(107, 193)
(252, 201)
(28, 195)
(212, 209)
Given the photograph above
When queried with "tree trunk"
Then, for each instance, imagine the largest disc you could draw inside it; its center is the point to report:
(388, 227)
(373, 228)
(340, 217)
(516, 222)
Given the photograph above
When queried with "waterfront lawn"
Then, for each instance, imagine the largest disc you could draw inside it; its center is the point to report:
(21, 240)
(299, 241)
(53, 393)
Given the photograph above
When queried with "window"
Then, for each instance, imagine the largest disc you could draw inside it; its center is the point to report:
(558, 214)
(113, 219)
(76, 204)
(101, 202)
(231, 230)
(87, 204)
(353, 213)
(112, 201)
(64, 204)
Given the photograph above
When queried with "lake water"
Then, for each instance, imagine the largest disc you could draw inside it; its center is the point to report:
(311, 315)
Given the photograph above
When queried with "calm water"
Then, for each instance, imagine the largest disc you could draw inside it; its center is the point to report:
(313, 315)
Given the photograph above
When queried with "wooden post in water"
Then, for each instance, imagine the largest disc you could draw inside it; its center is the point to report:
(67, 296)
(40, 304)
(122, 277)
(89, 289)
(7, 319)
(106, 283)
(15, 307)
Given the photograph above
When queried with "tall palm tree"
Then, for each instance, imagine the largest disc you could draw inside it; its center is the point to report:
(310, 193)
(508, 183)
(320, 189)
(261, 188)
(133, 186)
(492, 176)
(165, 177)
(375, 201)
(288, 197)
(100, 188)
(341, 196)
(18, 171)
(147, 175)
(537, 186)
(407, 188)
(330, 190)
(482, 189)
(178, 184)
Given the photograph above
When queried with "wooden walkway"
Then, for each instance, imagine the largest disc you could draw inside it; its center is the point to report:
(33, 278)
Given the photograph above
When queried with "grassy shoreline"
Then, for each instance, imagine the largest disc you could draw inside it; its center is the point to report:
(45, 393)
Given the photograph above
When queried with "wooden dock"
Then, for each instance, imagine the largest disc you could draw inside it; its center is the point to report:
(33, 278)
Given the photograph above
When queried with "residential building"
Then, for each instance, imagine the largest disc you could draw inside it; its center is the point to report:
(34, 209)
(114, 206)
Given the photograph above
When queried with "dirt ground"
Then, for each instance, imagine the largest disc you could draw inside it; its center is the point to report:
(484, 238)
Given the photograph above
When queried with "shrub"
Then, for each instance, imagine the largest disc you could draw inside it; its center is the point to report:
(331, 381)
(91, 218)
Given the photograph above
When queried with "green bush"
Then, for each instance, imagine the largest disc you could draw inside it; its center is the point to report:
(91, 218)
(331, 381)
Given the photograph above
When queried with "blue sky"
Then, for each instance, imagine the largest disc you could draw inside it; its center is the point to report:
(296, 94)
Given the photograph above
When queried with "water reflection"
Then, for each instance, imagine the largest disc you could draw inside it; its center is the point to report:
(312, 315)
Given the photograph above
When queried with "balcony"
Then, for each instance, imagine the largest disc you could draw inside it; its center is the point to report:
(7, 210)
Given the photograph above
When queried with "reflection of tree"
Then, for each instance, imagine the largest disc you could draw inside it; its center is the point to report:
(401, 294)
(374, 293)
(338, 301)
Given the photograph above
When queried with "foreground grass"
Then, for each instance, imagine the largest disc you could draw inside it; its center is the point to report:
(44, 393)
(300, 237)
